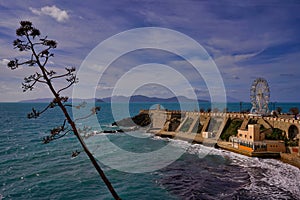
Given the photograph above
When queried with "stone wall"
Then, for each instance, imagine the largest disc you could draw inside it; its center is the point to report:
(175, 120)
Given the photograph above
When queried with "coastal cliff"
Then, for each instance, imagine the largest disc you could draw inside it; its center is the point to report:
(142, 120)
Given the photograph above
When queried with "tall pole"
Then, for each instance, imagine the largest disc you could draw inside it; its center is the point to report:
(241, 106)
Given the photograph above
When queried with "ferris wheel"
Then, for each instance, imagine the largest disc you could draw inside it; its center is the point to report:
(260, 96)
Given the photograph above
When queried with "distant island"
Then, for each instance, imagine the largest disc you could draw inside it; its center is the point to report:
(133, 99)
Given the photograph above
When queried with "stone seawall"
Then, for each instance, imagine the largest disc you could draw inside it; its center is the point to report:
(290, 159)
(203, 127)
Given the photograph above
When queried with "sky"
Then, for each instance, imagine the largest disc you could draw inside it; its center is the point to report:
(245, 40)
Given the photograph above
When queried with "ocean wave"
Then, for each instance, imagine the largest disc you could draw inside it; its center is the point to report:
(250, 177)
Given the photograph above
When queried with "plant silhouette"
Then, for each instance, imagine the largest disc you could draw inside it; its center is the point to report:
(40, 48)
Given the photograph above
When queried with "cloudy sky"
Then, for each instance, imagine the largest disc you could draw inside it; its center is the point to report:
(245, 39)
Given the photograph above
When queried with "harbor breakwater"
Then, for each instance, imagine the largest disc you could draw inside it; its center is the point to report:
(210, 129)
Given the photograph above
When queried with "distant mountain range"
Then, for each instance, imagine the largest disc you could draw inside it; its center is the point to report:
(135, 99)
(141, 98)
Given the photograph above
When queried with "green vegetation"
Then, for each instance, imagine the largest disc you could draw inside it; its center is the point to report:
(292, 143)
(231, 128)
(252, 121)
(262, 128)
(294, 111)
(174, 123)
(279, 110)
(277, 134)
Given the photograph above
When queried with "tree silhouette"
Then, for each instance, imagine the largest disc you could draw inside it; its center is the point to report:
(30, 40)
(294, 111)
(279, 110)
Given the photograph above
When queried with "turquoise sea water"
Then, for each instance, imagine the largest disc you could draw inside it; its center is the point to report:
(32, 170)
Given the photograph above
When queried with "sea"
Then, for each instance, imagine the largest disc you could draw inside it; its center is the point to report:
(30, 169)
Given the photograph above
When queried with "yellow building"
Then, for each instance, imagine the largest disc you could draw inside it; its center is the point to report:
(253, 140)
(252, 134)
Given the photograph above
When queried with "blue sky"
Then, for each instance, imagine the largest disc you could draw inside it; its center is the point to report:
(246, 39)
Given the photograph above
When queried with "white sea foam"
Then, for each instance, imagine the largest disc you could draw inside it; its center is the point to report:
(265, 174)
(139, 134)
(197, 149)
(269, 172)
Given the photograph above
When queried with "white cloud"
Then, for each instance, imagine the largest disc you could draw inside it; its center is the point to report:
(53, 11)
(4, 62)
(232, 60)
(100, 87)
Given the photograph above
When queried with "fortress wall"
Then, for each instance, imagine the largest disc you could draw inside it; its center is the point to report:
(162, 119)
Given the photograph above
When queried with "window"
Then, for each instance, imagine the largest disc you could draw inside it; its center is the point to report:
(250, 137)
(241, 135)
